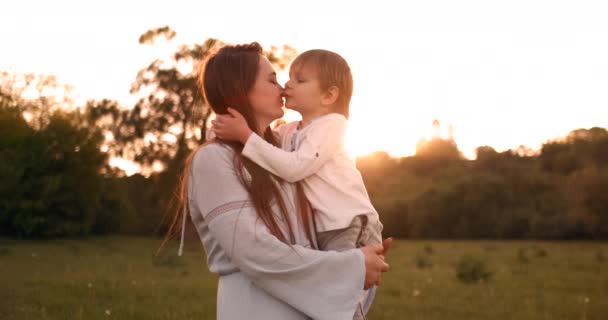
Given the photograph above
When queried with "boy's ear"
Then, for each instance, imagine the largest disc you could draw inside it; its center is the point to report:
(330, 96)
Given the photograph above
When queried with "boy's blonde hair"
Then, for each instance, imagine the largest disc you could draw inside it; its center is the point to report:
(332, 70)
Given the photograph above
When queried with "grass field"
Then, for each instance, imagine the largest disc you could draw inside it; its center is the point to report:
(119, 278)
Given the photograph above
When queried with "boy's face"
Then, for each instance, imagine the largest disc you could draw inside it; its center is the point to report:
(303, 91)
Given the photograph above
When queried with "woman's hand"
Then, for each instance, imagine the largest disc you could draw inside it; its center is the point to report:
(232, 127)
(386, 244)
(374, 262)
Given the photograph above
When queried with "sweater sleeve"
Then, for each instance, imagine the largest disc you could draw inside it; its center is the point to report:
(323, 285)
(318, 146)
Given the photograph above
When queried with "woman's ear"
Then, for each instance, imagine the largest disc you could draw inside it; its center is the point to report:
(330, 96)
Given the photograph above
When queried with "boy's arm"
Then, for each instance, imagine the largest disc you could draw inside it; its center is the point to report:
(317, 147)
(320, 144)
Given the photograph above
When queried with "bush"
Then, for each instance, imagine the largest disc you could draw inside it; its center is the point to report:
(51, 180)
(423, 261)
(472, 270)
(599, 256)
(522, 255)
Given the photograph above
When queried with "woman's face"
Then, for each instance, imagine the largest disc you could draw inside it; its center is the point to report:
(266, 96)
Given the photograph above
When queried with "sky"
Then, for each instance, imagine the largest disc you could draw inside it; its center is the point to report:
(502, 73)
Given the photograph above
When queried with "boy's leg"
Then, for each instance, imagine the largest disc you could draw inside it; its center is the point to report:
(342, 240)
(371, 233)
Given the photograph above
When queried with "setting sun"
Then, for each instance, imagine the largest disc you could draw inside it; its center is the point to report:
(454, 150)
(496, 82)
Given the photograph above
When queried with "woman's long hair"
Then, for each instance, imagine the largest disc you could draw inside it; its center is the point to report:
(225, 79)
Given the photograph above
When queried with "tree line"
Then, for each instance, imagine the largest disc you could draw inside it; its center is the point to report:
(56, 180)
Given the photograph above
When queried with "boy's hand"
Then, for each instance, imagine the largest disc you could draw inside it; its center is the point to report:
(232, 127)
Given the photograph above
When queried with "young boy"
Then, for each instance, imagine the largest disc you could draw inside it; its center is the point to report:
(320, 88)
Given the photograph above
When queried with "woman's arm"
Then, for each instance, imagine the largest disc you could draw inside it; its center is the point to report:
(323, 285)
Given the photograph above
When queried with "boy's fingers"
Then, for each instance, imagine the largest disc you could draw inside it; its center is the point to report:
(221, 118)
(232, 112)
(235, 113)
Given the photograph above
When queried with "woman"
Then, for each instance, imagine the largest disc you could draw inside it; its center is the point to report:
(256, 229)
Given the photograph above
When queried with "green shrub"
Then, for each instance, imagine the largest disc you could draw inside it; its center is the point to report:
(472, 270)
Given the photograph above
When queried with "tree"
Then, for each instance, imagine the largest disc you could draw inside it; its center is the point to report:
(582, 148)
(37, 95)
(50, 177)
(164, 126)
(171, 118)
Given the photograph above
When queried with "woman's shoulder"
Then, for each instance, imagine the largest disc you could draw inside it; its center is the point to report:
(215, 158)
(285, 128)
(214, 152)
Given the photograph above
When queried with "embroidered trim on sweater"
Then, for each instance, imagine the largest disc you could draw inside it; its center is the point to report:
(226, 207)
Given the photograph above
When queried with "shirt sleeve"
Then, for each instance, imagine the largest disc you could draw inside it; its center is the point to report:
(322, 285)
(319, 145)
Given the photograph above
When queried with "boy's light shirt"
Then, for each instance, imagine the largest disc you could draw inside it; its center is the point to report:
(316, 155)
